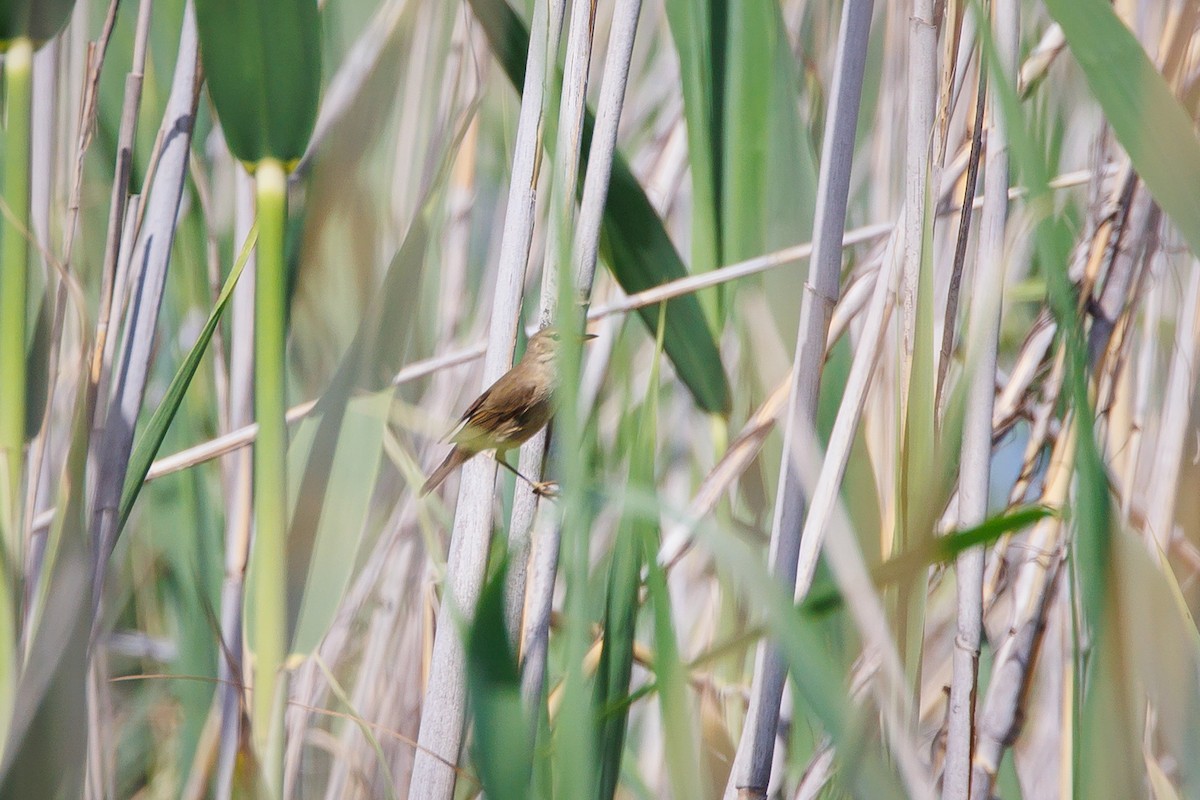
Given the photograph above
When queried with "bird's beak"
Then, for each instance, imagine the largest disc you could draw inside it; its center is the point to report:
(587, 336)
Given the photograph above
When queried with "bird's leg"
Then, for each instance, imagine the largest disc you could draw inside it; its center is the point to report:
(540, 488)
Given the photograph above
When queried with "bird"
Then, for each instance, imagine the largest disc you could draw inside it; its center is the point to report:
(509, 412)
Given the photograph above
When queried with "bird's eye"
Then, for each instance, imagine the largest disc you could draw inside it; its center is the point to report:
(554, 335)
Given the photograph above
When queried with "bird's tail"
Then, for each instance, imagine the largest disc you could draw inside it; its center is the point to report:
(457, 456)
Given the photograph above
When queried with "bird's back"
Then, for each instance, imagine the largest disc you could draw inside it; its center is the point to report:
(510, 411)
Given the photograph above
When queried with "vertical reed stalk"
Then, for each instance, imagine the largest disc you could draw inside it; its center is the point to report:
(268, 557)
(558, 247)
(982, 347)
(239, 502)
(14, 278)
(535, 633)
(444, 707)
(752, 766)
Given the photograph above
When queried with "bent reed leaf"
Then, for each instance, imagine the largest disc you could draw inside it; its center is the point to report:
(156, 430)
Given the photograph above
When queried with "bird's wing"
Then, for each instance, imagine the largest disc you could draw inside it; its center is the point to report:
(496, 416)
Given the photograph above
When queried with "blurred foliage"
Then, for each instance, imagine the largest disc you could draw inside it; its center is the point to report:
(262, 64)
(40, 20)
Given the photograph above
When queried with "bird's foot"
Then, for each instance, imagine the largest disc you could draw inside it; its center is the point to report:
(547, 489)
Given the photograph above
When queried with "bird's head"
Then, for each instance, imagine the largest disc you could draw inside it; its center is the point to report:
(545, 345)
